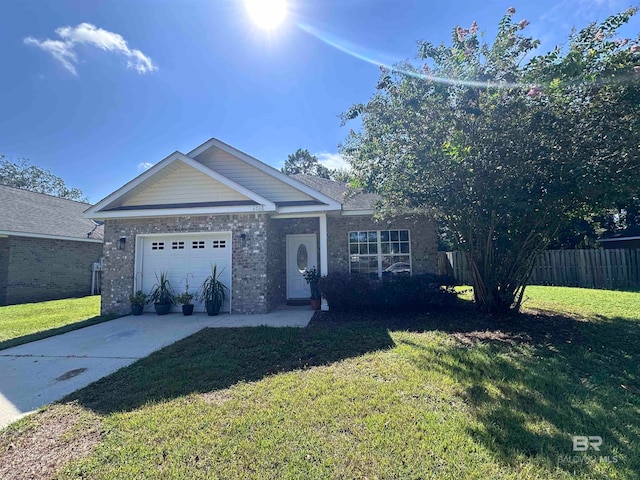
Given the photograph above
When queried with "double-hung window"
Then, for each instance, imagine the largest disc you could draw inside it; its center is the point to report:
(379, 253)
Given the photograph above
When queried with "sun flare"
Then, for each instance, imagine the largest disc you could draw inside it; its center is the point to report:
(267, 14)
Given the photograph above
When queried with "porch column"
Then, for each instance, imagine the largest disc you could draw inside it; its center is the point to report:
(324, 259)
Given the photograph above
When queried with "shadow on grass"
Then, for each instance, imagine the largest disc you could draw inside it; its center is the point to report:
(534, 381)
(530, 382)
(32, 337)
(218, 358)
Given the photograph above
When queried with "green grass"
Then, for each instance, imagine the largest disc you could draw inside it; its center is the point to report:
(33, 321)
(584, 302)
(450, 395)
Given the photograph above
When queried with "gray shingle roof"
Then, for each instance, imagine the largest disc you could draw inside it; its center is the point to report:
(29, 212)
(338, 191)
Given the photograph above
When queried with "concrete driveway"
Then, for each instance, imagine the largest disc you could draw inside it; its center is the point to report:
(39, 373)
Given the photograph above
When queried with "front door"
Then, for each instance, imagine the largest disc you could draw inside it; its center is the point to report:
(302, 253)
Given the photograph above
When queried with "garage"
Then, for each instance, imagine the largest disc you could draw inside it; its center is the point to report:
(185, 257)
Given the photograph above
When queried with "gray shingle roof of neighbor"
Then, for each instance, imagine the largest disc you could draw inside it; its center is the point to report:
(37, 213)
(338, 191)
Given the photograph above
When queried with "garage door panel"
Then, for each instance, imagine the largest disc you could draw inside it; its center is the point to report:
(186, 258)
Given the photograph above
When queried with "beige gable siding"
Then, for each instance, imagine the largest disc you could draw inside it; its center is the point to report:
(250, 177)
(180, 183)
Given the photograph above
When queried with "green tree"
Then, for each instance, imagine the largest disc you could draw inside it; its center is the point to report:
(341, 175)
(504, 150)
(303, 162)
(22, 174)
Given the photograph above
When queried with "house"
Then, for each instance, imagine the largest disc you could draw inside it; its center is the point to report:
(218, 205)
(47, 247)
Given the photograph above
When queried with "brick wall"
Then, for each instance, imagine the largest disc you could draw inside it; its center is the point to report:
(37, 269)
(249, 257)
(424, 243)
(4, 266)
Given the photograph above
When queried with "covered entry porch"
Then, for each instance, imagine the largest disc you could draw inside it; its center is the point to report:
(295, 243)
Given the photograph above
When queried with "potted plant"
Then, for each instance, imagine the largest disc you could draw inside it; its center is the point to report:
(137, 300)
(162, 295)
(185, 298)
(312, 277)
(213, 292)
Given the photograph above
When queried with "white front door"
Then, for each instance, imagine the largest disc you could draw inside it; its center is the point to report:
(302, 253)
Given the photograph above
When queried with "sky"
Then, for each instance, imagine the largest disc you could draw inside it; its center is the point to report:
(96, 91)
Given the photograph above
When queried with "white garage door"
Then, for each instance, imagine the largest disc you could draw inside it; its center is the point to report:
(185, 257)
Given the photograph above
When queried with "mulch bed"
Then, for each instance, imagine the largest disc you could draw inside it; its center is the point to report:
(467, 325)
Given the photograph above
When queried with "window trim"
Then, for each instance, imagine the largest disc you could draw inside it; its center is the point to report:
(379, 253)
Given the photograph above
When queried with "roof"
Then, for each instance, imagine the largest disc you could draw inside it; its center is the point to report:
(629, 233)
(215, 178)
(339, 191)
(37, 214)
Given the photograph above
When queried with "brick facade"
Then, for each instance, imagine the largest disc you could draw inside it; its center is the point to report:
(38, 269)
(4, 269)
(424, 242)
(259, 262)
(248, 256)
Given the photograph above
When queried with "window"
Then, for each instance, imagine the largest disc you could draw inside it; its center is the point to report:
(177, 245)
(219, 244)
(157, 246)
(380, 252)
(197, 244)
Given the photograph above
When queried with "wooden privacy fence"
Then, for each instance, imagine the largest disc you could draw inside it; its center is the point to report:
(597, 268)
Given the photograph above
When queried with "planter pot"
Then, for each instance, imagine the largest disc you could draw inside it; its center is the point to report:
(137, 309)
(162, 308)
(187, 310)
(316, 303)
(213, 307)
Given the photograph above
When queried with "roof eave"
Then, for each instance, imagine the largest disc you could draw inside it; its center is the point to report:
(179, 212)
(618, 239)
(46, 236)
(309, 208)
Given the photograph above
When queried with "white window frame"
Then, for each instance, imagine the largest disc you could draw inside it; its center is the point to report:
(379, 253)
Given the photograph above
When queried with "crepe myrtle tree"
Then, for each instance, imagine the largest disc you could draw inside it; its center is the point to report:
(502, 145)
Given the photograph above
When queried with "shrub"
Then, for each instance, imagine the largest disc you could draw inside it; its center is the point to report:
(356, 292)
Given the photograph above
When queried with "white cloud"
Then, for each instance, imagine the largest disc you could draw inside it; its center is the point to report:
(143, 166)
(61, 51)
(87, 34)
(332, 160)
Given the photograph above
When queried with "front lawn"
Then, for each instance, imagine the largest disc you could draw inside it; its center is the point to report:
(33, 321)
(584, 302)
(450, 395)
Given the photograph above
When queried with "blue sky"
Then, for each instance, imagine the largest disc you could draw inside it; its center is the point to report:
(93, 90)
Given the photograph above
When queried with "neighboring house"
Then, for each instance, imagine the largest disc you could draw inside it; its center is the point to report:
(47, 247)
(218, 205)
(627, 238)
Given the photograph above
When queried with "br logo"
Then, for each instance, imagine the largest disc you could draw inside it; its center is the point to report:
(582, 444)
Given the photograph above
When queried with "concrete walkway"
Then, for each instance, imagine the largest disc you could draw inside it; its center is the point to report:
(38, 373)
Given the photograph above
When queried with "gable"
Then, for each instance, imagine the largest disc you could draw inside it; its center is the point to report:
(178, 185)
(250, 177)
(214, 179)
(181, 184)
